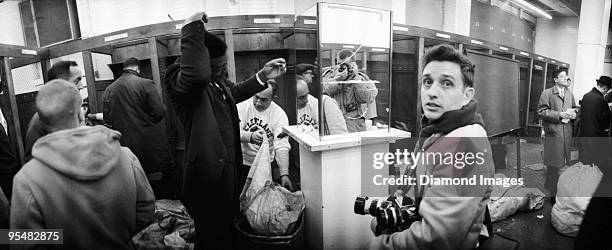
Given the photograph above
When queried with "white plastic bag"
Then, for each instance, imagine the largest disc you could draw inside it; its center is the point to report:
(269, 209)
(574, 191)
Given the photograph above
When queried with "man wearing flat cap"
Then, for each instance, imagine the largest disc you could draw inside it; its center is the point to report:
(594, 121)
(205, 102)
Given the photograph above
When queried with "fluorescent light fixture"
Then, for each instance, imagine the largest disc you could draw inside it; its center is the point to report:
(524, 53)
(541, 58)
(115, 37)
(476, 42)
(29, 52)
(443, 35)
(532, 8)
(378, 50)
(400, 28)
(348, 46)
(553, 61)
(503, 48)
(310, 21)
(266, 20)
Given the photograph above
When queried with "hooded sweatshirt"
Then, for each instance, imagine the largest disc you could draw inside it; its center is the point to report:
(82, 181)
(452, 216)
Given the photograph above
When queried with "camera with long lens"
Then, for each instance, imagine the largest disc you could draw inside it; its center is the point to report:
(390, 217)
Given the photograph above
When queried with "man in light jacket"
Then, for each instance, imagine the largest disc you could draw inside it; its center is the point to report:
(452, 216)
(557, 109)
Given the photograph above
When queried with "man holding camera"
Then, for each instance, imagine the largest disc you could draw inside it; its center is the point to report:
(205, 102)
(451, 216)
(354, 99)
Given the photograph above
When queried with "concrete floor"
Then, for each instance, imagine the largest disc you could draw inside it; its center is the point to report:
(532, 229)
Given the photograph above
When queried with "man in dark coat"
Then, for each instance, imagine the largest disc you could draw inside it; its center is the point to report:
(8, 161)
(205, 101)
(557, 110)
(133, 107)
(594, 121)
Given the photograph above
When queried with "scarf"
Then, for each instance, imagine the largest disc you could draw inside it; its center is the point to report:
(451, 120)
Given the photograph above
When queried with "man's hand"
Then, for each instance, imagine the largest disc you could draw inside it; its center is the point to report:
(274, 69)
(341, 75)
(564, 115)
(286, 182)
(257, 137)
(373, 225)
(199, 16)
(571, 113)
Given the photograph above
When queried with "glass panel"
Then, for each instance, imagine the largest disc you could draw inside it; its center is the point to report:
(10, 24)
(308, 81)
(100, 66)
(27, 78)
(354, 49)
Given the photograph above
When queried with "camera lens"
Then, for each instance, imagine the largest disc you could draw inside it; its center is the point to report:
(360, 203)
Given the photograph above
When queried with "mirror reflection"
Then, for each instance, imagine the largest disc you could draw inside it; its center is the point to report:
(354, 68)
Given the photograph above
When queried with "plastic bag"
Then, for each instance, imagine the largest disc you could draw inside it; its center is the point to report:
(574, 191)
(507, 201)
(269, 209)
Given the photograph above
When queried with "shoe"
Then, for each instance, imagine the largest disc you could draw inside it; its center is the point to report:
(553, 200)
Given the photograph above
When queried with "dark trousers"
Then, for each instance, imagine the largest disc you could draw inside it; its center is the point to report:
(552, 178)
(213, 212)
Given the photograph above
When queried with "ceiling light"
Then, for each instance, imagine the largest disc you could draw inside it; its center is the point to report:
(532, 8)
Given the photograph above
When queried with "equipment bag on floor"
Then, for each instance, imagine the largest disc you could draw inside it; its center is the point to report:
(270, 209)
(172, 221)
(506, 201)
(574, 191)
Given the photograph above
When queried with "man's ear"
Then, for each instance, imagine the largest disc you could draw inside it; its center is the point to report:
(468, 95)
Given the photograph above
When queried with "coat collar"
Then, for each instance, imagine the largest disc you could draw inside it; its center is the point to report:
(596, 91)
(129, 71)
(555, 91)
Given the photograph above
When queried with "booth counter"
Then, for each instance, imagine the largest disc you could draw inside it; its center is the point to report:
(333, 172)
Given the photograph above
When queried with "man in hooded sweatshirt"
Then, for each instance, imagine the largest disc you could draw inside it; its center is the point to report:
(452, 216)
(80, 179)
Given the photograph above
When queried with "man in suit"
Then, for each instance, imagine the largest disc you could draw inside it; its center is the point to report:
(557, 110)
(594, 121)
(133, 107)
(205, 102)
